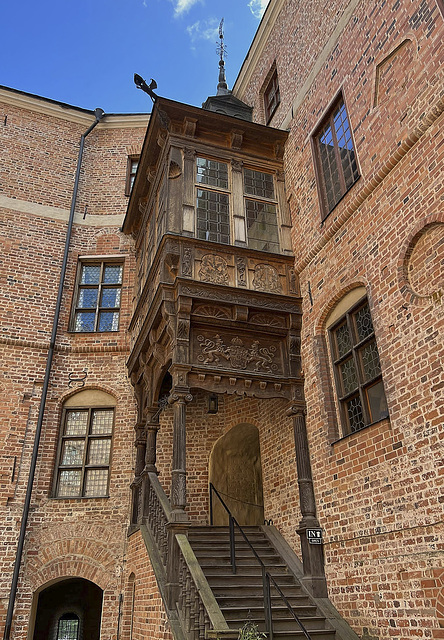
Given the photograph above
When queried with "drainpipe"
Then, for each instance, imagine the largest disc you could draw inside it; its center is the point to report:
(98, 113)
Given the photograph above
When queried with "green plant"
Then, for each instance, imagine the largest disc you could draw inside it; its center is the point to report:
(250, 632)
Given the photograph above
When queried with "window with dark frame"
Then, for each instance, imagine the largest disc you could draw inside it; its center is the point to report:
(357, 369)
(97, 297)
(68, 627)
(212, 210)
(131, 170)
(335, 157)
(272, 96)
(213, 205)
(84, 455)
(261, 213)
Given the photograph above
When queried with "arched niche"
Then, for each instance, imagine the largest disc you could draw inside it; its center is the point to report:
(72, 599)
(235, 471)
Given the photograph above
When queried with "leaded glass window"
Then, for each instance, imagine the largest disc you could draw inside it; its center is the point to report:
(68, 627)
(357, 369)
(261, 214)
(335, 157)
(213, 216)
(98, 297)
(85, 453)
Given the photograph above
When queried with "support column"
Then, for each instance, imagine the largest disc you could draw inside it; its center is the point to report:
(136, 485)
(178, 497)
(312, 554)
(152, 427)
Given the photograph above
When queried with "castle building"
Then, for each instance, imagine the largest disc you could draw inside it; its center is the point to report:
(231, 406)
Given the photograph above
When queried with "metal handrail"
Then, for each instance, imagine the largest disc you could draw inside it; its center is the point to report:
(267, 578)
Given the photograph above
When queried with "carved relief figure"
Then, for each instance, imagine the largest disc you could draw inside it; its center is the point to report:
(213, 269)
(237, 353)
(266, 278)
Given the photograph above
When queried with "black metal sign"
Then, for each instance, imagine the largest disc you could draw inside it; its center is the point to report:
(314, 536)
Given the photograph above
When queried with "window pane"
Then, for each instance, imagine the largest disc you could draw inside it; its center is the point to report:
(212, 173)
(213, 221)
(102, 421)
(110, 298)
(76, 423)
(377, 402)
(258, 183)
(99, 451)
(90, 274)
(72, 452)
(370, 361)
(69, 483)
(348, 376)
(343, 341)
(112, 274)
(329, 167)
(68, 629)
(96, 482)
(262, 227)
(108, 321)
(87, 298)
(85, 321)
(354, 414)
(345, 144)
(363, 322)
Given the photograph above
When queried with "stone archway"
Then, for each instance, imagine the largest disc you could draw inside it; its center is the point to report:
(235, 471)
(70, 608)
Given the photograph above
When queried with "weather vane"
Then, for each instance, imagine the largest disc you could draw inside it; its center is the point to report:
(221, 48)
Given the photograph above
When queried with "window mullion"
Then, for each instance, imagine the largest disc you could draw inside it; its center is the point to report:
(338, 156)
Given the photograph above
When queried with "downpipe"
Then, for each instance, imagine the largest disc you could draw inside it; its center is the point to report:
(98, 113)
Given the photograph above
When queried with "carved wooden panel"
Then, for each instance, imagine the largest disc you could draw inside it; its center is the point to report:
(227, 350)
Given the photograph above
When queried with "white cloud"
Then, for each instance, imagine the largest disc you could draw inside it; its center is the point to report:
(204, 30)
(182, 6)
(257, 7)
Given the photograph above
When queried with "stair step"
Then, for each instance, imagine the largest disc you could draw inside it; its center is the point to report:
(240, 595)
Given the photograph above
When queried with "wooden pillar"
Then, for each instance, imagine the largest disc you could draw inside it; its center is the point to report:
(312, 554)
(178, 497)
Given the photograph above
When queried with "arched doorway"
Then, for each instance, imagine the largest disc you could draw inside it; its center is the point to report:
(69, 610)
(235, 471)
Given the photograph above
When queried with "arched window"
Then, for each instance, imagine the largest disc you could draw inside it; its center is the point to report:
(68, 627)
(355, 358)
(84, 454)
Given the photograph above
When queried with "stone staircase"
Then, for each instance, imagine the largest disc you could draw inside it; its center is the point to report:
(240, 595)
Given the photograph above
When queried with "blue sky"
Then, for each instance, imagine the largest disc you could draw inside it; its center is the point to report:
(85, 53)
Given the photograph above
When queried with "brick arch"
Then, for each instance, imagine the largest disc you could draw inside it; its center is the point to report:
(71, 558)
(103, 236)
(406, 251)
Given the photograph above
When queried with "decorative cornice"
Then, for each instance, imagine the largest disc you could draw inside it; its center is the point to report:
(71, 113)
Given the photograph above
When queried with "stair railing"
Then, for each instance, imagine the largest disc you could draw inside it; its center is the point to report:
(267, 578)
(199, 613)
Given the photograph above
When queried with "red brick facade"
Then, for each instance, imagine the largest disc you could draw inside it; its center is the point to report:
(379, 490)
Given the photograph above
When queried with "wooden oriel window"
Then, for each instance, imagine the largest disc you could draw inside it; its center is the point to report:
(131, 170)
(272, 96)
(97, 297)
(83, 461)
(335, 157)
(357, 369)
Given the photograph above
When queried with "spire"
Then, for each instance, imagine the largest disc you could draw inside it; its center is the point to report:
(222, 87)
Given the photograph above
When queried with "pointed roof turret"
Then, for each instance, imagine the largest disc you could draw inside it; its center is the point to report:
(224, 101)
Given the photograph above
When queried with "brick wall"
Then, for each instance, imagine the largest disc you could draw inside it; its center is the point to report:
(379, 491)
(66, 537)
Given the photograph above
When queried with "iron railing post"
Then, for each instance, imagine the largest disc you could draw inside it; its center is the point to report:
(211, 504)
(267, 603)
(232, 545)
